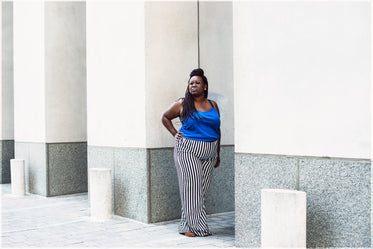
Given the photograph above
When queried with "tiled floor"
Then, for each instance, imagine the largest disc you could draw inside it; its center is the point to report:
(35, 221)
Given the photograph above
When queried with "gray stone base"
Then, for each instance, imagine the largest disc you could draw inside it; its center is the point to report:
(338, 197)
(6, 153)
(54, 168)
(145, 182)
(129, 178)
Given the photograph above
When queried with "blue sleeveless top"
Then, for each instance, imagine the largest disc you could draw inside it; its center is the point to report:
(202, 127)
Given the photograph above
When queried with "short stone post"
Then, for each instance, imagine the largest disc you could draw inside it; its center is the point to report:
(17, 176)
(100, 193)
(283, 214)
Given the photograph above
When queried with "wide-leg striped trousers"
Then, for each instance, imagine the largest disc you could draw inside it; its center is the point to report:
(194, 161)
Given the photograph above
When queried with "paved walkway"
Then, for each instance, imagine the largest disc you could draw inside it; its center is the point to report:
(36, 221)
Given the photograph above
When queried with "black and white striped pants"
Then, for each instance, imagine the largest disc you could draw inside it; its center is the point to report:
(194, 161)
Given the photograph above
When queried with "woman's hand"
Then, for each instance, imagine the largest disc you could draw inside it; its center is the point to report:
(178, 136)
(217, 162)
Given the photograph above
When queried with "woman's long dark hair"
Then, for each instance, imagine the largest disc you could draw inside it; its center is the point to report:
(188, 104)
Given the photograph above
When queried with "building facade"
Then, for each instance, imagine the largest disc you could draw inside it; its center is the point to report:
(84, 85)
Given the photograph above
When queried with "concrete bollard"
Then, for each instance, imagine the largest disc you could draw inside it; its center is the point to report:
(100, 193)
(17, 176)
(283, 214)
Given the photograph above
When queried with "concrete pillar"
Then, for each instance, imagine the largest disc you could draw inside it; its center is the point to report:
(6, 91)
(141, 81)
(293, 73)
(100, 193)
(17, 169)
(283, 218)
(50, 95)
(216, 59)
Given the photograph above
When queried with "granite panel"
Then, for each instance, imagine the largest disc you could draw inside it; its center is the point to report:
(220, 197)
(6, 153)
(131, 183)
(338, 202)
(35, 166)
(253, 173)
(67, 168)
(164, 188)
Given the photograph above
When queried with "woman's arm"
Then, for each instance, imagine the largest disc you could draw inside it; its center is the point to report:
(172, 112)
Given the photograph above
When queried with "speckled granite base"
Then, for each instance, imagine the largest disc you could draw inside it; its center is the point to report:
(253, 173)
(6, 153)
(338, 202)
(220, 197)
(164, 188)
(338, 197)
(129, 178)
(145, 182)
(67, 168)
(54, 169)
(131, 183)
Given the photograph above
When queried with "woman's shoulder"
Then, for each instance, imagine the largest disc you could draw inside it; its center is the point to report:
(181, 100)
(214, 103)
(215, 106)
(178, 103)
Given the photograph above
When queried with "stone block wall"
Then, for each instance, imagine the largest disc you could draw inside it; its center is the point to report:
(338, 197)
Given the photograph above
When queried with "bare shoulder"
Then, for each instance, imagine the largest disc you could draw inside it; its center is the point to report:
(174, 110)
(178, 103)
(214, 103)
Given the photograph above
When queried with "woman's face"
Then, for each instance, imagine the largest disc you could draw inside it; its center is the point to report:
(196, 86)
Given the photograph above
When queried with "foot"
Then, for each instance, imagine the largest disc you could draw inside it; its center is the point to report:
(190, 234)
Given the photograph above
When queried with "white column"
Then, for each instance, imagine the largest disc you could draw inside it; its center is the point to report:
(283, 218)
(17, 170)
(116, 73)
(100, 193)
(50, 94)
(216, 59)
(171, 46)
(6, 90)
(302, 78)
(135, 70)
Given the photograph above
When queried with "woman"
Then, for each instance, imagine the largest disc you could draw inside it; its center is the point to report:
(197, 151)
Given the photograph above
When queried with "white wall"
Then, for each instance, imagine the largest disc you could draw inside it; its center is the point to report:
(216, 59)
(49, 71)
(171, 54)
(302, 78)
(7, 122)
(65, 72)
(29, 94)
(1, 76)
(116, 74)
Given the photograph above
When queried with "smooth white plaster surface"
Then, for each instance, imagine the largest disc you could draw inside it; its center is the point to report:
(6, 91)
(116, 74)
(171, 49)
(65, 72)
(216, 59)
(371, 87)
(1, 75)
(49, 71)
(29, 90)
(302, 78)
